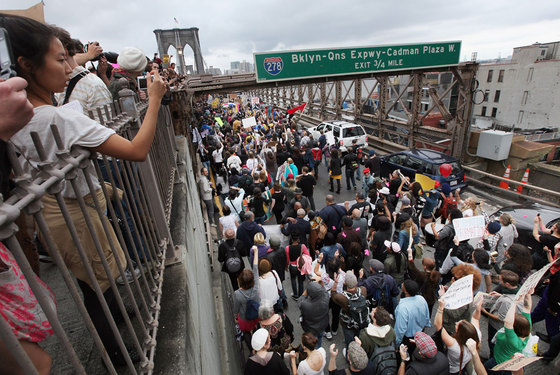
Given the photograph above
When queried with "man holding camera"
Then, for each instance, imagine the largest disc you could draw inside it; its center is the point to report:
(86, 88)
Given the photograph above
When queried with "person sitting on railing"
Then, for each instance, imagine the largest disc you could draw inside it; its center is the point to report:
(40, 58)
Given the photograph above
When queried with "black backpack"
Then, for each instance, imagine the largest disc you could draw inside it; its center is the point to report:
(384, 360)
(382, 297)
(233, 263)
(358, 313)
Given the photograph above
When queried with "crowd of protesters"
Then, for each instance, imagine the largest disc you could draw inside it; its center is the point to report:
(352, 264)
(58, 83)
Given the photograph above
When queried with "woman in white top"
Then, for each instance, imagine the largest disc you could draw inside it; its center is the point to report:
(270, 284)
(457, 351)
(316, 359)
(235, 201)
(40, 58)
(229, 220)
(253, 161)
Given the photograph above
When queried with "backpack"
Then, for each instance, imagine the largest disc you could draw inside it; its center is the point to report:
(384, 360)
(358, 313)
(449, 203)
(252, 310)
(233, 261)
(382, 297)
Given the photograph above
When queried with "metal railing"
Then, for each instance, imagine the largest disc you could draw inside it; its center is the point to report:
(128, 232)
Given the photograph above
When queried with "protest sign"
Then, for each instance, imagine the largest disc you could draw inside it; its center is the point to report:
(469, 227)
(488, 300)
(533, 280)
(426, 182)
(249, 122)
(219, 121)
(515, 364)
(460, 293)
(255, 100)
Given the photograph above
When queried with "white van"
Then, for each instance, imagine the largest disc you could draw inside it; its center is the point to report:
(348, 134)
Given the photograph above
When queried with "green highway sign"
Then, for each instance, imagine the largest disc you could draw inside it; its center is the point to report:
(279, 66)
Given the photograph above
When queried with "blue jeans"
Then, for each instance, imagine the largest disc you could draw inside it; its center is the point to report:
(358, 172)
(260, 219)
(350, 176)
(319, 340)
(326, 161)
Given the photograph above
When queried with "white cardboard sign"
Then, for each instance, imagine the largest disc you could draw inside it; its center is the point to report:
(515, 364)
(533, 280)
(460, 293)
(249, 122)
(469, 227)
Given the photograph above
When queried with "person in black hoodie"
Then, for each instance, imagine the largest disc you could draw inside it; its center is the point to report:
(246, 232)
(228, 249)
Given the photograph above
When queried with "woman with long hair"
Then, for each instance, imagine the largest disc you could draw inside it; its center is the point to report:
(457, 352)
(335, 170)
(407, 227)
(40, 58)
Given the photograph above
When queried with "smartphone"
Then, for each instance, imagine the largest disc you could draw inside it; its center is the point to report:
(6, 70)
(142, 83)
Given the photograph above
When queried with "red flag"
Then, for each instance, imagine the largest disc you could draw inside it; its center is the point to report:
(300, 107)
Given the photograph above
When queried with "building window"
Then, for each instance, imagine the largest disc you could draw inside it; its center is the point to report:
(501, 75)
(486, 95)
(494, 111)
(520, 117)
(497, 96)
(530, 74)
(483, 112)
(489, 79)
(525, 96)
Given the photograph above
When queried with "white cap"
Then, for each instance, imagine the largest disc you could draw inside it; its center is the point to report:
(132, 59)
(259, 338)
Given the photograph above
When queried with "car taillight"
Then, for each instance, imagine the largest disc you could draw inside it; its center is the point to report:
(366, 139)
(341, 143)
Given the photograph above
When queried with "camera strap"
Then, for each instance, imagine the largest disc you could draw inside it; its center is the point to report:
(71, 84)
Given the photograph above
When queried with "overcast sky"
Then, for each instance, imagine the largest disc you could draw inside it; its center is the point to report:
(233, 30)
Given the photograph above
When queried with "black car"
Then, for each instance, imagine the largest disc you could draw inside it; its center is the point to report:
(426, 162)
(524, 216)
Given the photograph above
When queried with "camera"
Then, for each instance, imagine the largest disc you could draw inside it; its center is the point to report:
(110, 56)
(6, 70)
(142, 83)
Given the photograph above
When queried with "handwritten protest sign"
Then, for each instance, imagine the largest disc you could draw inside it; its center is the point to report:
(460, 293)
(515, 364)
(249, 122)
(533, 280)
(469, 227)
(219, 121)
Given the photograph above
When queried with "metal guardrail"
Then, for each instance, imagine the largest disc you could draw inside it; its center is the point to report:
(135, 226)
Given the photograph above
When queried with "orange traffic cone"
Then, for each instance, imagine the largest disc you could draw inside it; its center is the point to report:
(524, 180)
(504, 184)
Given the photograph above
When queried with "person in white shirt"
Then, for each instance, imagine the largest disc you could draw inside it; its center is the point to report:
(228, 221)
